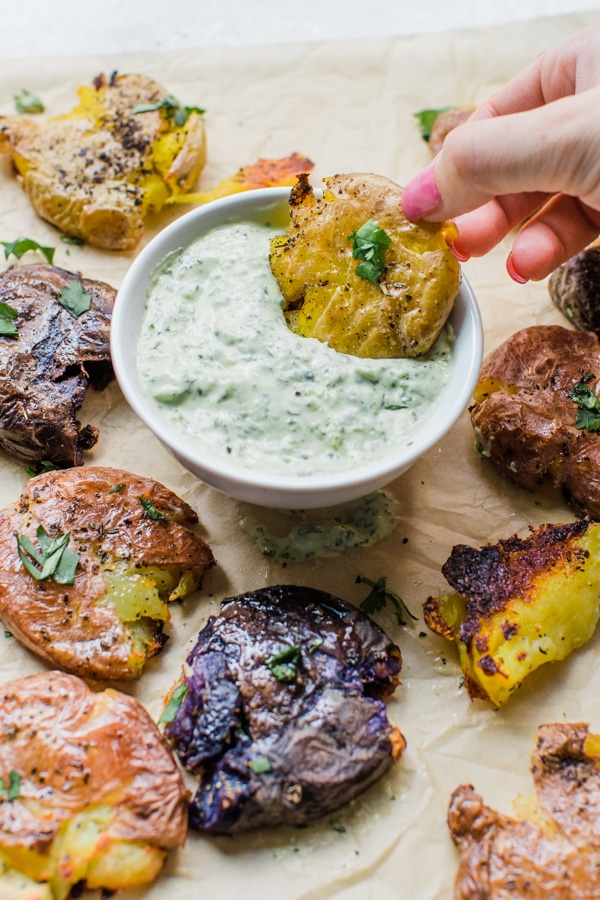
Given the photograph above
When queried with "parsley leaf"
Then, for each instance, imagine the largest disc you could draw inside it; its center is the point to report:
(43, 466)
(379, 596)
(425, 119)
(588, 414)
(70, 239)
(117, 487)
(369, 243)
(26, 102)
(260, 765)
(150, 509)
(55, 561)
(170, 710)
(21, 245)
(10, 792)
(284, 665)
(173, 108)
(75, 299)
(7, 325)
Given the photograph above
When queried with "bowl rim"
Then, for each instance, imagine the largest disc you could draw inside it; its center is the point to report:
(465, 319)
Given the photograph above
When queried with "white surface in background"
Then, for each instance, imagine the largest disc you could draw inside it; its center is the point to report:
(75, 27)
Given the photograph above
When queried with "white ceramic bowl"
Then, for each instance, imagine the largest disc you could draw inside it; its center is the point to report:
(263, 488)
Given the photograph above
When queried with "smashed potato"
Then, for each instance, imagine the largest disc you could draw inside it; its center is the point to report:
(574, 288)
(96, 171)
(530, 417)
(552, 849)
(519, 604)
(92, 794)
(115, 549)
(396, 310)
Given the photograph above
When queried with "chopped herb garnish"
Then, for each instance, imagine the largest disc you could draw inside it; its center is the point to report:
(315, 645)
(150, 509)
(75, 299)
(70, 239)
(14, 786)
(20, 246)
(117, 487)
(26, 102)
(379, 596)
(173, 705)
(43, 466)
(260, 765)
(8, 327)
(55, 561)
(8, 634)
(588, 414)
(369, 243)
(426, 118)
(284, 665)
(173, 108)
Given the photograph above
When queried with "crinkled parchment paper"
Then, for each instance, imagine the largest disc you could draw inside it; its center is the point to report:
(349, 106)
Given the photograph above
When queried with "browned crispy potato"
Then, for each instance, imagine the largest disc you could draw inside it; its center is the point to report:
(575, 289)
(45, 371)
(96, 171)
(91, 792)
(136, 552)
(445, 122)
(519, 604)
(525, 421)
(401, 313)
(552, 851)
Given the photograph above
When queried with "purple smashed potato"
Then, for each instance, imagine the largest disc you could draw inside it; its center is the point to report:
(284, 719)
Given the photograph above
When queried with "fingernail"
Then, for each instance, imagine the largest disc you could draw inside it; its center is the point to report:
(459, 255)
(510, 268)
(421, 196)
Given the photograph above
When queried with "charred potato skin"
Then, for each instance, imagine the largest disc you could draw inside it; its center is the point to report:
(524, 419)
(70, 626)
(508, 615)
(400, 315)
(77, 751)
(45, 373)
(553, 853)
(97, 171)
(325, 732)
(575, 289)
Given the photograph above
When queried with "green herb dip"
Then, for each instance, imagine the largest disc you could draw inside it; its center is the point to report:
(216, 356)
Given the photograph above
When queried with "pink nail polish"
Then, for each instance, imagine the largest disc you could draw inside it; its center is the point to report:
(459, 255)
(421, 196)
(510, 268)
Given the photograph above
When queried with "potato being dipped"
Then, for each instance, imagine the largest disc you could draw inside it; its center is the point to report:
(89, 559)
(356, 274)
(92, 796)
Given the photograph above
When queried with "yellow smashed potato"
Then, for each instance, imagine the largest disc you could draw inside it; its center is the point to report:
(519, 604)
(92, 795)
(333, 293)
(96, 171)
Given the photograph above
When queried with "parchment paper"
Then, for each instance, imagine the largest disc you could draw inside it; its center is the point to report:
(349, 106)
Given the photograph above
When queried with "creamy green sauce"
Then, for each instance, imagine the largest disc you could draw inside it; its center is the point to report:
(216, 356)
(308, 534)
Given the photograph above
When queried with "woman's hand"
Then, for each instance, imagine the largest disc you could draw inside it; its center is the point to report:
(531, 152)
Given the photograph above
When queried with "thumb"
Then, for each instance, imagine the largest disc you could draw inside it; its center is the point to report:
(551, 149)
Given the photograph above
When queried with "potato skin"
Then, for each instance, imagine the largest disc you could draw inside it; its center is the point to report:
(400, 315)
(75, 750)
(575, 289)
(551, 853)
(524, 419)
(69, 625)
